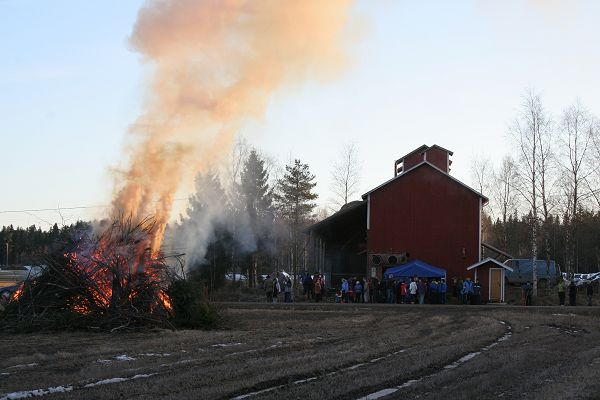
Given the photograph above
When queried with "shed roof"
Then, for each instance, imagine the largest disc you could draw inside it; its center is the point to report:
(489, 260)
(345, 211)
(420, 165)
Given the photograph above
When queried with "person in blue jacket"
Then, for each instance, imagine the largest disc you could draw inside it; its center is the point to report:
(467, 290)
(442, 289)
(433, 292)
(344, 290)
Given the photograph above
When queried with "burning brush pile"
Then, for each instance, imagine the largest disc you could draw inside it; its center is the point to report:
(108, 281)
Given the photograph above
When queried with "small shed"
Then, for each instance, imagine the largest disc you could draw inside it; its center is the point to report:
(491, 275)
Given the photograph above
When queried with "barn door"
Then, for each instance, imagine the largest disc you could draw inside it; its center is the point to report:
(496, 284)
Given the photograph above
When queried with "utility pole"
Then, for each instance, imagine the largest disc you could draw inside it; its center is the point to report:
(7, 254)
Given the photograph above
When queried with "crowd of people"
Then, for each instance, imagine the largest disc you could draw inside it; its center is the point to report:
(413, 290)
(569, 285)
(392, 290)
(276, 283)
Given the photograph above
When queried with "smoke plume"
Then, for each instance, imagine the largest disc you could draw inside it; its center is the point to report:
(215, 64)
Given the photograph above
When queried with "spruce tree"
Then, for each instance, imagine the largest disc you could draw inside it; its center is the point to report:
(257, 204)
(295, 202)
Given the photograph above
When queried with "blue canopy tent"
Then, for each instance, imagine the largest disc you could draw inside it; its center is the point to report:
(415, 268)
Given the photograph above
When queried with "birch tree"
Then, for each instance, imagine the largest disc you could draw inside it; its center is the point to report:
(577, 132)
(346, 175)
(504, 192)
(527, 129)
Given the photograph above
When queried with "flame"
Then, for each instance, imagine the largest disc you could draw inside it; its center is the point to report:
(18, 293)
(214, 65)
(119, 266)
(165, 300)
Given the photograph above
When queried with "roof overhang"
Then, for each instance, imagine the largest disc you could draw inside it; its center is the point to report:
(489, 260)
(422, 164)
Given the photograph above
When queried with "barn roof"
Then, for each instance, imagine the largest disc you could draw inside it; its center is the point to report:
(418, 149)
(421, 165)
(422, 149)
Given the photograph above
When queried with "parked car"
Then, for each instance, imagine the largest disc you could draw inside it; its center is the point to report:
(523, 271)
(235, 277)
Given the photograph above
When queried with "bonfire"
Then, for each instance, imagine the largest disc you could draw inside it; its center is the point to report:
(110, 280)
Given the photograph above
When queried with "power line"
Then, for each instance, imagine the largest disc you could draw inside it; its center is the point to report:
(48, 209)
(63, 208)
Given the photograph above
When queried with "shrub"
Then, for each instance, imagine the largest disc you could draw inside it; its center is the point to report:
(190, 306)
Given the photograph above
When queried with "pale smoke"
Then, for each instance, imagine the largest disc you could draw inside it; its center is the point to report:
(214, 65)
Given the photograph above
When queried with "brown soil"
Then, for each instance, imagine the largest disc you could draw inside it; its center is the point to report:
(325, 351)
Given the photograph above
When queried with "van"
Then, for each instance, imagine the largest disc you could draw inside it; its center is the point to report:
(523, 271)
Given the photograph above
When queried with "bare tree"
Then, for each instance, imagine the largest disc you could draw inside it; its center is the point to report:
(528, 129)
(577, 132)
(346, 174)
(546, 165)
(504, 194)
(481, 173)
(238, 157)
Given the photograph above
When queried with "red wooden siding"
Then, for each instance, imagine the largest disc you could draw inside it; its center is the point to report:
(437, 157)
(412, 159)
(428, 215)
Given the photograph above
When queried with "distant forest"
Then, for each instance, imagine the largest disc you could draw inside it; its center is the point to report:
(24, 245)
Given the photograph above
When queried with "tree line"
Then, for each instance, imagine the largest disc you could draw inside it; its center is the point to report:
(22, 246)
(544, 196)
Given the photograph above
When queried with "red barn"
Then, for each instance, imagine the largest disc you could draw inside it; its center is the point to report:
(421, 213)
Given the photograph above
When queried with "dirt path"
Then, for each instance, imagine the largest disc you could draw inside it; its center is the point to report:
(321, 352)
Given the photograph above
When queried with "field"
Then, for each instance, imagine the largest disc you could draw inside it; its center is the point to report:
(325, 351)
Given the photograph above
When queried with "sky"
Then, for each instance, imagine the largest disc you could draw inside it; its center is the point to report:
(422, 72)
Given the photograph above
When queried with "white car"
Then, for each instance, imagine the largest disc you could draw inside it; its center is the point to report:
(236, 277)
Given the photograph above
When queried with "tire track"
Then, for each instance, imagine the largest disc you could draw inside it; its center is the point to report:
(275, 385)
(455, 364)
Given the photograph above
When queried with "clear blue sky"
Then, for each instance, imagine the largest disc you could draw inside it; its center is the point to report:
(444, 72)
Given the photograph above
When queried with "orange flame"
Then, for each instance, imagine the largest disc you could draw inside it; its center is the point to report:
(18, 293)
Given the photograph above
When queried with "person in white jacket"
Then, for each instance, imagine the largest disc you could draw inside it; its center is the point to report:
(413, 291)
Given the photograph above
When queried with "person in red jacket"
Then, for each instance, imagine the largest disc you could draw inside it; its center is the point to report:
(403, 292)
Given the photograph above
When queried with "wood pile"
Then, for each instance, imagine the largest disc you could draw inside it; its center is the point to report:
(106, 281)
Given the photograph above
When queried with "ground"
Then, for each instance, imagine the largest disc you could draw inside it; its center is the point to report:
(325, 351)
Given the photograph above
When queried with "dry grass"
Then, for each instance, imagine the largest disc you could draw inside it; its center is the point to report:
(346, 351)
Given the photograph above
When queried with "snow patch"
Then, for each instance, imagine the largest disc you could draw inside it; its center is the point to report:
(21, 366)
(381, 393)
(155, 354)
(124, 357)
(118, 380)
(36, 392)
(225, 344)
